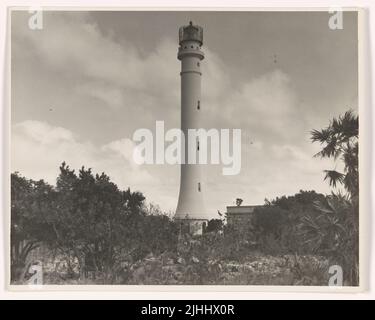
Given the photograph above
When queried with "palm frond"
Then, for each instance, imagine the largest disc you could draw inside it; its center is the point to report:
(322, 207)
(334, 177)
(320, 136)
(349, 125)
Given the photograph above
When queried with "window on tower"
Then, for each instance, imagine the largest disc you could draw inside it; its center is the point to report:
(198, 105)
(199, 187)
(197, 144)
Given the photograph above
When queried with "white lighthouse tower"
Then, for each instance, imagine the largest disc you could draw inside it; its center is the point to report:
(191, 211)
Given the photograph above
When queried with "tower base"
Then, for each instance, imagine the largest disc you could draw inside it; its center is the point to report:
(193, 227)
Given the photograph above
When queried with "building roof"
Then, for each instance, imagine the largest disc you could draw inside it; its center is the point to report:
(242, 209)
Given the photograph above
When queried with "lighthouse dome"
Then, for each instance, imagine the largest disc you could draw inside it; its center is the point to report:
(191, 32)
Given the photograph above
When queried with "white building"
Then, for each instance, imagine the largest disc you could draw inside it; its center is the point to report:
(191, 210)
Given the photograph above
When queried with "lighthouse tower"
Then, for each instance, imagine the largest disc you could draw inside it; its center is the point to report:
(191, 212)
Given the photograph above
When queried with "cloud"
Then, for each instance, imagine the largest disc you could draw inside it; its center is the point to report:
(112, 71)
(38, 149)
(112, 97)
(113, 87)
(43, 133)
(259, 96)
(264, 106)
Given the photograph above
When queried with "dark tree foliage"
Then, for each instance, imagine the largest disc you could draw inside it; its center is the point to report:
(270, 220)
(88, 220)
(214, 225)
(340, 142)
(300, 202)
(275, 225)
(30, 202)
(335, 230)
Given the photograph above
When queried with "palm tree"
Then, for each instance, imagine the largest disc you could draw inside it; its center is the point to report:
(340, 141)
(334, 231)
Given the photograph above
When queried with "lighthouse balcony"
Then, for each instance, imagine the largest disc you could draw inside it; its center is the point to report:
(185, 51)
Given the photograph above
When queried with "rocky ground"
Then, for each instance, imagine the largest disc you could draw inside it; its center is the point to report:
(254, 270)
(189, 269)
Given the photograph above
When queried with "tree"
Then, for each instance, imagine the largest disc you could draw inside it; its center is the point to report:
(96, 228)
(214, 225)
(30, 202)
(238, 202)
(334, 231)
(340, 142)
(88, 220)
(95, 222)
(276, 223)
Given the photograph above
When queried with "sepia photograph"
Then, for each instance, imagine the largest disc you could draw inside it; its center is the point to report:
(184, 147)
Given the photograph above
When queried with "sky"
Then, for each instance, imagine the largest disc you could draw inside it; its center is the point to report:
(83, 84)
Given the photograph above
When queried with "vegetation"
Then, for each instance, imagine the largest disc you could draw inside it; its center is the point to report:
(340, 142)
(87, 230)
(86, 220)
(335, 229)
